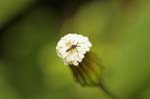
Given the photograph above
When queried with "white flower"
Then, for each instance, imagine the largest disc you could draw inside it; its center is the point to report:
(72, 48)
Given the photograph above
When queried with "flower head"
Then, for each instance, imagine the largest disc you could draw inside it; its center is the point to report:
(72, 48)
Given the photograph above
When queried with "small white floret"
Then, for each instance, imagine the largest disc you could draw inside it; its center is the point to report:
(72, 48)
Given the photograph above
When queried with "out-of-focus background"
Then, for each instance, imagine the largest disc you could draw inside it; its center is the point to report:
(30, 29)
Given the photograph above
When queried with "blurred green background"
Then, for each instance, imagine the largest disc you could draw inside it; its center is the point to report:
(30, 29)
